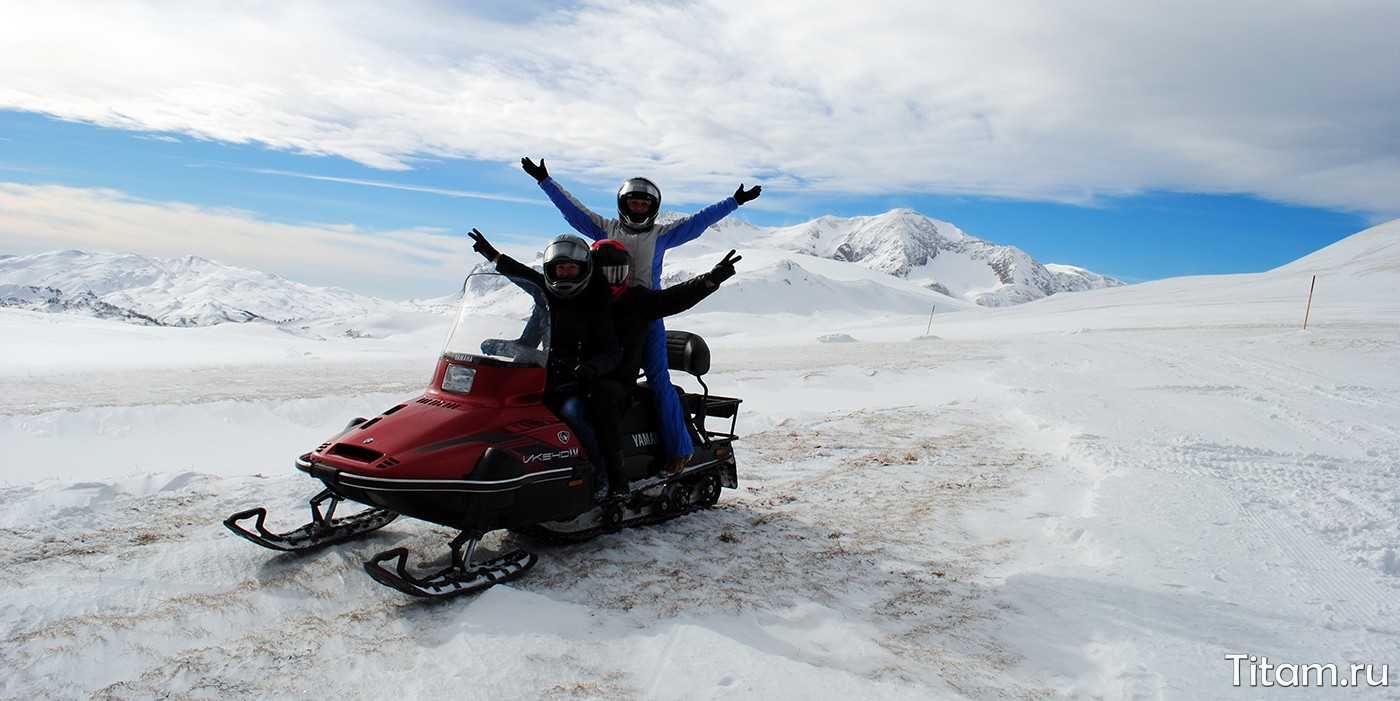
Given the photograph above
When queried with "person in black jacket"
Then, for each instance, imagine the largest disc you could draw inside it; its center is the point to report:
(635, 307)
(583, 350)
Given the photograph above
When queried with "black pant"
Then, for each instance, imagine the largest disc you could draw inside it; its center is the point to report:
(603, 402)
(606, 402)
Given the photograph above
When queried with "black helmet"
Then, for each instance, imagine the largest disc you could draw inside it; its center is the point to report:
(639, 188)
(567, 248)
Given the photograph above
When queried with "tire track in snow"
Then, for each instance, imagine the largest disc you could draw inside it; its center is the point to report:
(1327, 582)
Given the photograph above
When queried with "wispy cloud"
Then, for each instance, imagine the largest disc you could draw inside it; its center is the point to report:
(1292, 100)
(401, 186)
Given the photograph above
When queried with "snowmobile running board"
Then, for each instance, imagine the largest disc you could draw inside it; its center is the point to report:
(653, 500)
(324, 528)
(457, 578)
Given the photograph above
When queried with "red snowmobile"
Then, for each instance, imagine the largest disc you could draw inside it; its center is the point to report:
(478, 451)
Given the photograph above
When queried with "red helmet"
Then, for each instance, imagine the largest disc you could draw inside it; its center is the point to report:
(614, 262)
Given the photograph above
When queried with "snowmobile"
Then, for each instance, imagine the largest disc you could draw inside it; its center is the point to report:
(479, 451)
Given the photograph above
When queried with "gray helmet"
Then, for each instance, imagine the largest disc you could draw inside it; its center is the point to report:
(639, 188)
(567, 248)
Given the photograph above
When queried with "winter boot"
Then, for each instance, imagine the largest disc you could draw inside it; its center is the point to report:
(675, 465)
(600, 486)
(616, 478)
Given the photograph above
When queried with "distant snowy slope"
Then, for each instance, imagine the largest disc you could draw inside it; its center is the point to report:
(776, 281)
(189, 291)
(787, 287)
(1357, 283)
(1370, 252)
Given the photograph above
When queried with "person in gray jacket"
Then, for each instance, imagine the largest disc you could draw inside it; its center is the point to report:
(638, 203)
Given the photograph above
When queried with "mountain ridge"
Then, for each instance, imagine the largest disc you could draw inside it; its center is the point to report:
(184, 291)
(906, 244)
(902, 244)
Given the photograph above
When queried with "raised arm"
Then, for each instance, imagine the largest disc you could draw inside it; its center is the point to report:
(581, 218)
(675, 299)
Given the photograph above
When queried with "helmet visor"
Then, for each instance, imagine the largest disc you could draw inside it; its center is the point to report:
(566, 250)
(613, 261)
(616, 274)
(640, 187)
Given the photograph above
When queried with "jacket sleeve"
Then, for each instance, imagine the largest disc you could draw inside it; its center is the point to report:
(506, 265)
(674, 299)
(690, 228)
(581, 218)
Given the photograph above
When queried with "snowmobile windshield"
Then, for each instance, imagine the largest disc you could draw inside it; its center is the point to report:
(502, 321)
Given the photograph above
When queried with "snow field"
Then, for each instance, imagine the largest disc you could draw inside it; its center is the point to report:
(819, 564)
(1097, 496)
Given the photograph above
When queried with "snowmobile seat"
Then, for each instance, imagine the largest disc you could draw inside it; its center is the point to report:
(688, 352)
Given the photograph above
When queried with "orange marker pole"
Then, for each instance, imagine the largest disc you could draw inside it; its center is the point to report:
(1309, 309)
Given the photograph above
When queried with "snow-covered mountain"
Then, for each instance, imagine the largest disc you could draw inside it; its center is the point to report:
(189, 291)
(896, 262)
(937, 255)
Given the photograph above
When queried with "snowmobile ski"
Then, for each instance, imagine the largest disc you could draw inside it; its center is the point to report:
(460, 577)
(323, 529)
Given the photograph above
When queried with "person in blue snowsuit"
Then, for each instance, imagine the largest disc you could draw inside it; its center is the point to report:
(638, 203)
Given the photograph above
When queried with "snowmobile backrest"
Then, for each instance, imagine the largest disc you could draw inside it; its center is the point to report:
(687, 352)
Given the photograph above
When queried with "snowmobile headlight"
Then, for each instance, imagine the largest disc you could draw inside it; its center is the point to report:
(458, 379)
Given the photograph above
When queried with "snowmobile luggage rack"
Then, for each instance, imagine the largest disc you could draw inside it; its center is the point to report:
(690, 354)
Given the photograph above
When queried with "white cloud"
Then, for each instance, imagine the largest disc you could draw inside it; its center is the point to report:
(390, 264)
(1291, 100)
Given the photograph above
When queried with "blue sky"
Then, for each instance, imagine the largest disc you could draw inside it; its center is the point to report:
(345, 144)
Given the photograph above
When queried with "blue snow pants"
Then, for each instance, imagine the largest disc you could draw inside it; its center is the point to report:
(674, 435)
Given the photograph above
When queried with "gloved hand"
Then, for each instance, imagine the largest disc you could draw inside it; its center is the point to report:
(741, 195)
(483, 246)
(723, 270)
(584, 375)
(538, 172)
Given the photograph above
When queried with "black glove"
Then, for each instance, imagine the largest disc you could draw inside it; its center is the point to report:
(724, 269)
(584, 375)
(483, 246)
(741, 195)
(538, 172)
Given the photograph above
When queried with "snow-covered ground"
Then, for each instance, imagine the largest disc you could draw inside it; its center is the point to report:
(1131, 493)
